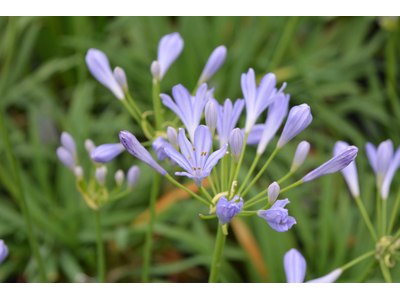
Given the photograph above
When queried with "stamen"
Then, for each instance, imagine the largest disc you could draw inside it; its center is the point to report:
(189, 157)
(194, 168)
(194, 148)
(281, 222)
(198, 168)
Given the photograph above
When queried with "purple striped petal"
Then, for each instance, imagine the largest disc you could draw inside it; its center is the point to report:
(350, 172)
(215, 61)
(384, 156)
(295, 266)
(370, 150)
(169, 48)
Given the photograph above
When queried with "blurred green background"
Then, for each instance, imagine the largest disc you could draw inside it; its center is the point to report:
(345, 68)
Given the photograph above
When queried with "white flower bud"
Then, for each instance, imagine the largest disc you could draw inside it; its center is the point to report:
(89, 146)
(78, 172)
(211, 114)
(119, 177)
(301, 153)
(172, 136)
(273, 192)
(155, 70)
(101, 175)
(120, 77)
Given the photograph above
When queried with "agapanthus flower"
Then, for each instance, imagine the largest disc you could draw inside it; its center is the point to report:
(301, 153)
(158, 146)
(393, 166)
(214, 62)
(89, 146)
(3, 251)
(277, 216)
(78, 172)
(172, 136)
(226, 210)
(295, 268)
(211, 115)
(120, 77)
(257, 98)
(169, 48)
(119, 177)
(99, 67)
(189, 109)
(350, 172)
(132, 145)
(68, 142)
(100, 175)
(106, 152)
(273, 192)
(132, 177)
(66, 158)
(336, 163)
(379, 159)
(228, 117)
(196, 158)
(236, 144)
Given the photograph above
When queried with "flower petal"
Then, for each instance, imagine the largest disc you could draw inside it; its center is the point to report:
(295, 266)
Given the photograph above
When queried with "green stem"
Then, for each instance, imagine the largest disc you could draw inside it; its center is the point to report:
(291, 186)
(207, 217)
(394, 212)
(253, 166)
(251, 203)
(290, 173)
(119, 195)
(216, 263)
(139, 113)
(157, 103)
(384, 214)
(378, 210)
(217, 180)
(223, 174)
(261, 172)
(101, 265)
(226, 172)
(205, 194)
(385, 271)
(132, 112)
(206, 202)
(358, 259)
(155, 187)
(233, 171)
(247, 213)
(212, 185)
(366, 218)
(368, 271)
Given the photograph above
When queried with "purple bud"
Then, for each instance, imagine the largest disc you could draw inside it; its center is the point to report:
(384, 156)
(89, 146)
(211, 114)
(133, 176)
(277, 216)
(106, 152)
(301, 153)
(370, 150)
(66, 158)
(100, 175)
(394, 165)
(155, 70)
(215, 61)
(299, 118)
(120, 77)
(295, 266)
(119, 177)
(172, 136)
(68, 142)
(3, 251)
(236, 144)
(350, 172)
(226, 210)
(158, 146)
(169, 48)
(273, 192)
(337, 163)
(133, 146)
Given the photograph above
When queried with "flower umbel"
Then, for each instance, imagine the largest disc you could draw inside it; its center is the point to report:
(226, 210)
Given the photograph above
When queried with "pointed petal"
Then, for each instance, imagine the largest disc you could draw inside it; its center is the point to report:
(202, 144)
(186, 148)
(214, 158)
(372, 155)
(329, 278)
(295, 266)
(177, 157)
(168, 102)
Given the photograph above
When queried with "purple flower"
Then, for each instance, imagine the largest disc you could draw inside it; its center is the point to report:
(100, 175)
(350, 172)
(380, 159)
(337, 163)
(68, 142)
(66, 158)
(277, 216)
(236, 144)
(169, 48)
(228, 116)
(132, 176)
(299, 118)
(226, 210)
(295, 268)
(158, 146)
(107, 152)
(189, 109)
(257, 99)
(215, 61)
(133, 146)
(273, 192)
(276, 113)
(196, 158)
(211, 115)
(99, 67)
(394, 165)
(255, 134)
(301, 153)
(3, 251)
(120, 77)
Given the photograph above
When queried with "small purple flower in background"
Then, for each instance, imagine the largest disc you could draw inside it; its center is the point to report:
(3, 251)
(236, 144)
(394, 165)
(132, 177)
(68, 142)
(276, 113)
(169, 48)
(132, 145)
(277, 216)
(257, 99)
(211, 115)
(99, 67)
(120, 77)
(100, 175)
(66, 158)
(350, 172)
(295, 268)
(226, 210)
(337, 163)
(189, 109)
(299, 118)
(119, 177)
(106, 152)
(380, 159)
(228, 116)
(273, 192)
(255, 134)
(158, 146)
(214, 62)
(196, 158)
(301, 153)
(89, 146)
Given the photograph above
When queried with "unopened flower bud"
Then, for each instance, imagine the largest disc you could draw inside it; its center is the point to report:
(155, 70)
(119, 177)
(107, 152)
(133, 176)
(273, 192)
(172, 136)
(236, 144)
(101, 175)
(68, 142)
(211, 114)
(66, 158)
(120, 77)
(158, 146)
(78, 172)
(215, 61)
(89, 146)
(301, 153)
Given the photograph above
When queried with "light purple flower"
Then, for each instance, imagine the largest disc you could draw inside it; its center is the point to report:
(299, 118)
(276, 113)
(277, 216)
(158, 146)
(120, 77)
(273, 192)
(228, 116)
(301, 153)
(379, 159)
(99, 67)
(336, 163)
(169, 48)
(66, 158)
(68, 142)
(132, 145)
(226, 210)
(189, 109)
(255, 134)
(132, 177)
(214, 62)
(211, 115)
(257, 99)
(106, 152)
(370, 150)
(196, 158)
(295, 268)
(3, 251)
(236, 144)
(394, 165)
(350, 172)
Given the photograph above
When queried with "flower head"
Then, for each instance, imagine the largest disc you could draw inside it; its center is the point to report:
(189, 109)
(132, 177)
(277, 216)
(394, 165)
(66, 158)
(3, 251)
(196, 158)
(301, 153)
(132, 145)
(106, 152)
(169, 48)
(158, 146)
(336, 163)
(215, 61)
(99, 67)
(236, 144)
(226, 210)
(120, 77)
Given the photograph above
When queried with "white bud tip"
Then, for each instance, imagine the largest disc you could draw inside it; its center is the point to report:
(155, 69)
